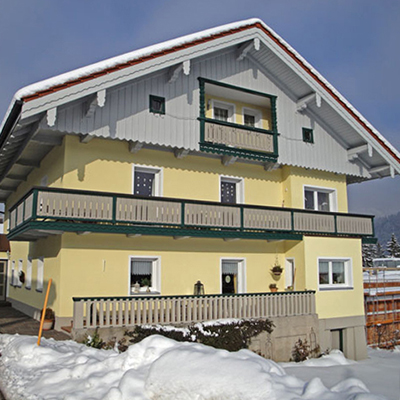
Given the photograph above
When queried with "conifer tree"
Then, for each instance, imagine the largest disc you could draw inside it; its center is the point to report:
(368, 254)
(380, 252)
(393, 247)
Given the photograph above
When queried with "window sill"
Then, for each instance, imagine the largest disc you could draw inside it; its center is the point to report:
(140, 294)
(328, 288)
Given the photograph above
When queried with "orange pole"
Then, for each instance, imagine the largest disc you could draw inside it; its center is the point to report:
(43, 312)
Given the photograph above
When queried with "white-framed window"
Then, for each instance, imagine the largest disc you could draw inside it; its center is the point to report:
(233, 275)
(18, 281)
(335, 273)
(320, 198)
(223, 111)
(13, 274)
(39, 276)
(147, 181)
(251, 117)
(231, 190)
(28, 278)
(144, 274)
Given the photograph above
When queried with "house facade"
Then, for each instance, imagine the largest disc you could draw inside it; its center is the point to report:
(213, 158)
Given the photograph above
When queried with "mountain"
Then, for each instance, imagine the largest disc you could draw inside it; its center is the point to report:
(385, 226)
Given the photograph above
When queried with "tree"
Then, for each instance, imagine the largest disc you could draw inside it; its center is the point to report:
(368, 254)
(393, 247)
(380, 252)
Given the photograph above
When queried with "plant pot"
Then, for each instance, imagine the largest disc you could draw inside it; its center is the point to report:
(273, 290)
(277, 273)
(48, 324)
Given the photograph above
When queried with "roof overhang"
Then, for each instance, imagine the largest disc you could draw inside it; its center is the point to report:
(20, 152)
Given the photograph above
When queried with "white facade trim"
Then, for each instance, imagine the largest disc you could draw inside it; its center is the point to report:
(333, 203)
(158, 177)
(155, 274)
(241, 279)
(348, 265)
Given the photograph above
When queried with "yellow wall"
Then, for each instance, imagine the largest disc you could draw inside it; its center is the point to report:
(335, 303)
(76, 262)
(98, 265)
(266, 120)
(294, 179)
(49, 249)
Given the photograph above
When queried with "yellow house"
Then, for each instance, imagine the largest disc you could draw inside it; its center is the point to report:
(196, 165)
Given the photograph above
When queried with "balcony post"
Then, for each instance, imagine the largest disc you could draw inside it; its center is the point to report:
(114, 210)
(182, 214)
(335, 222)
(34, 203)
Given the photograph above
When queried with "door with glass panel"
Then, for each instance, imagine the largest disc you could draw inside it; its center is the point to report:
(229, 278)
(3, 272)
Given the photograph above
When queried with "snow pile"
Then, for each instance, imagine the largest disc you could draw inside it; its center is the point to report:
(156, 368)
(334, 358)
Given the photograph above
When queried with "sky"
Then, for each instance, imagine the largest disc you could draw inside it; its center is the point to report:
(353, 43)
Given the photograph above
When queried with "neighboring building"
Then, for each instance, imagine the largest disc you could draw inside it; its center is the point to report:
(209, 158)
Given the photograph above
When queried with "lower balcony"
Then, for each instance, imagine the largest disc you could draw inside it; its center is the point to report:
(46, 211)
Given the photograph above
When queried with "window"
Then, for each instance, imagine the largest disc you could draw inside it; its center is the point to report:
(334, 273)
(157, 104)
(231, 190)
(144, 275)
(319, 199)
(308, 135)
(13, 273)
(233, 276)
(251, 118)
(223, 111)
(39, 279)
(147, 181)
(28, 280)
(18, 281)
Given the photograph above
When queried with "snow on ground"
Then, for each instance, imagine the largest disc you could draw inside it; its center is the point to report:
(160, 368)
(380, 372)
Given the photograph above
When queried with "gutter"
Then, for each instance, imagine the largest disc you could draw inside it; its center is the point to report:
(11, 121)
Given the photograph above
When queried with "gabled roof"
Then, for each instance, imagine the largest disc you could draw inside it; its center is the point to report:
(54, 88)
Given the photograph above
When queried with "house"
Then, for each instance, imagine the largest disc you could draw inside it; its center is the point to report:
(207, 160)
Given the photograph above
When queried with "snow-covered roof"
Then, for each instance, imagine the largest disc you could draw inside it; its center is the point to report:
(113, 64)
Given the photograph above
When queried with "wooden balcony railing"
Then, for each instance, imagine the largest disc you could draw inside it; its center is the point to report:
(77, 210)
(129, 311)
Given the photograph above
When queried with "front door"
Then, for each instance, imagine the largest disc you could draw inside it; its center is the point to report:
(229, 277)
(3, 274)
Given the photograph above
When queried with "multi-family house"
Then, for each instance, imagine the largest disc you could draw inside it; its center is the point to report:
(193, 166)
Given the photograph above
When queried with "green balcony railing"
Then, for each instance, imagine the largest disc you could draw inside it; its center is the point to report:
(62, 210)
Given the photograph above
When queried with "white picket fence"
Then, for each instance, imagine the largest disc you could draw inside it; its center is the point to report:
(130, 311)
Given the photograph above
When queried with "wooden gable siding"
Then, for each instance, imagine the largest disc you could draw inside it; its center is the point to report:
(126, 115)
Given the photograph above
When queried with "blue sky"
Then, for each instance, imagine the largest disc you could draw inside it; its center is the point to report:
(353, 43)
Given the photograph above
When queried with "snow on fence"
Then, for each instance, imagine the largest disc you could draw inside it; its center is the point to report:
(129, 311)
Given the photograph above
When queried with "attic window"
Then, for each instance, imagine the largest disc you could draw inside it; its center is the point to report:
(308, 135)
(157, 104)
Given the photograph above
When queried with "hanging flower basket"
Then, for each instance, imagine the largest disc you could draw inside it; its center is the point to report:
(277, 270)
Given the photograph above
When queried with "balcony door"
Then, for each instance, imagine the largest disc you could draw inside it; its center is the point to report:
(3, 273)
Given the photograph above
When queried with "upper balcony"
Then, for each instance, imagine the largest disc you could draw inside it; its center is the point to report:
(237, 122)
(48, 211)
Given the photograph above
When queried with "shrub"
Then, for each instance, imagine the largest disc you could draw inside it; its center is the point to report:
(302, 351)
(229, 335)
